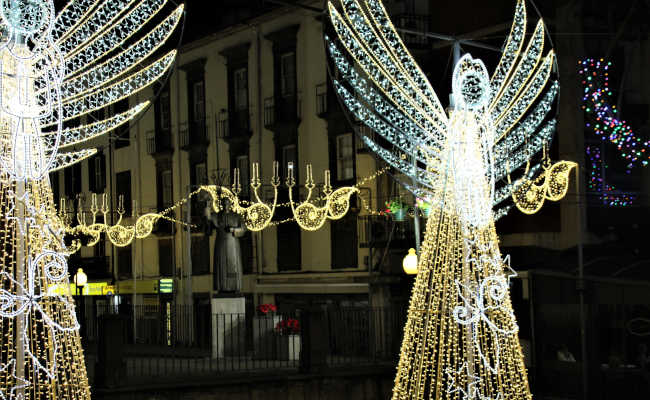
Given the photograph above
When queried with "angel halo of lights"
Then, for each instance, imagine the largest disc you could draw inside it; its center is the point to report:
(57, 68)
(461, 161)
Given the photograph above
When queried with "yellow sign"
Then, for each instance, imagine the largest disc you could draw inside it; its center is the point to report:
(90, 289)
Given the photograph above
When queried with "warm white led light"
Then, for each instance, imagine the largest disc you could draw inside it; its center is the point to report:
(55, 69)
(460, 339)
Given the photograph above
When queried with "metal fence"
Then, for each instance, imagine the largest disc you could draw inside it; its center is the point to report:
(192, 341)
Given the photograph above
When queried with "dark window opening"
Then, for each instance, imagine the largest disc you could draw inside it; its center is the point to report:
(124, 262)
(166, 257)
(200, 254)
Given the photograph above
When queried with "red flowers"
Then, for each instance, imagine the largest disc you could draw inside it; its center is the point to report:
(288, 326)
(266, 308)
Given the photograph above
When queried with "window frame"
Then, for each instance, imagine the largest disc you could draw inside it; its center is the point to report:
(240, 93)
(288, 89)
(343, 159)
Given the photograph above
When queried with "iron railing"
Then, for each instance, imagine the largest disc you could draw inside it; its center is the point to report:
(176, 341)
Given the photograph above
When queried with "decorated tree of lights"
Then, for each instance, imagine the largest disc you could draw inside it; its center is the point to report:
(460, 340)
(55, 68)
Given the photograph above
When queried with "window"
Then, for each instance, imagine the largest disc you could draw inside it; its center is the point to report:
(288, 74)
(72, 177)
(289, 156)
(124, 262)
(201, 174)
(97, 173)
(99, 250)
(122, 133)
(344, 242)
(200, 254)
(166, 257)
(244, 175)
(123, 182)
(96, 116)
(240, 77)
(344, 157)
(166, 189)
(198, 93)
(164, 118)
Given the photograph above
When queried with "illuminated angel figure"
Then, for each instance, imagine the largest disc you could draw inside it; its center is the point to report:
(460, 310)
(54, 69)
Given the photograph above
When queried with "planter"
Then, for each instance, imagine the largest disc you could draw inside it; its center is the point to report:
(399, 215)
(288, 347)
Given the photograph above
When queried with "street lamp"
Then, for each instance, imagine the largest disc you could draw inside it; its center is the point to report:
(80, 280)
(410, 263)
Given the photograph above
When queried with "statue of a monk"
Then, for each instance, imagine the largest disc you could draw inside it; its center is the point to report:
(227, 258)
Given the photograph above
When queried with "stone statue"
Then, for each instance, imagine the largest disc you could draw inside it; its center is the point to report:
(227, 257)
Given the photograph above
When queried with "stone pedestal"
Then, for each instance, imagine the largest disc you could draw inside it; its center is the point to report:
(228, 327)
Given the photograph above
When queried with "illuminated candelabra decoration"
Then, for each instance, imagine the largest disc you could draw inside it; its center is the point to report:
(55, 68)
(603, 117)
(119, 235)
(460, 318)
(258, 215)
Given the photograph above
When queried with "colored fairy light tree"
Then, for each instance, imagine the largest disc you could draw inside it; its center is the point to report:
(460, 339)
(54, 69)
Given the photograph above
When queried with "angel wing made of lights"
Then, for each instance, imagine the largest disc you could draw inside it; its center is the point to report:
(87, 57)
(380, 83)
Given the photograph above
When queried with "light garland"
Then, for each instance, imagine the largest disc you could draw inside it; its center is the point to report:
(460, 337)
(607, 194)
(56, 68)
(603, 116)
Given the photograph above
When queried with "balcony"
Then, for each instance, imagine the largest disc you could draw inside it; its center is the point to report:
(415, 23)
(194, 134)
(159, 142)
(233, 126)
(281, 111)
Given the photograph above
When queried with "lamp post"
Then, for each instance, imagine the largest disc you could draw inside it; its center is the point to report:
(80, 280)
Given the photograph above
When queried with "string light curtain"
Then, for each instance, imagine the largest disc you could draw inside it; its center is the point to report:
(460, 339)
(56, 68)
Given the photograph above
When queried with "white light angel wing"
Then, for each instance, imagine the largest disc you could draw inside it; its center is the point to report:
(104, 47)
(523, 94)
(380, 83)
